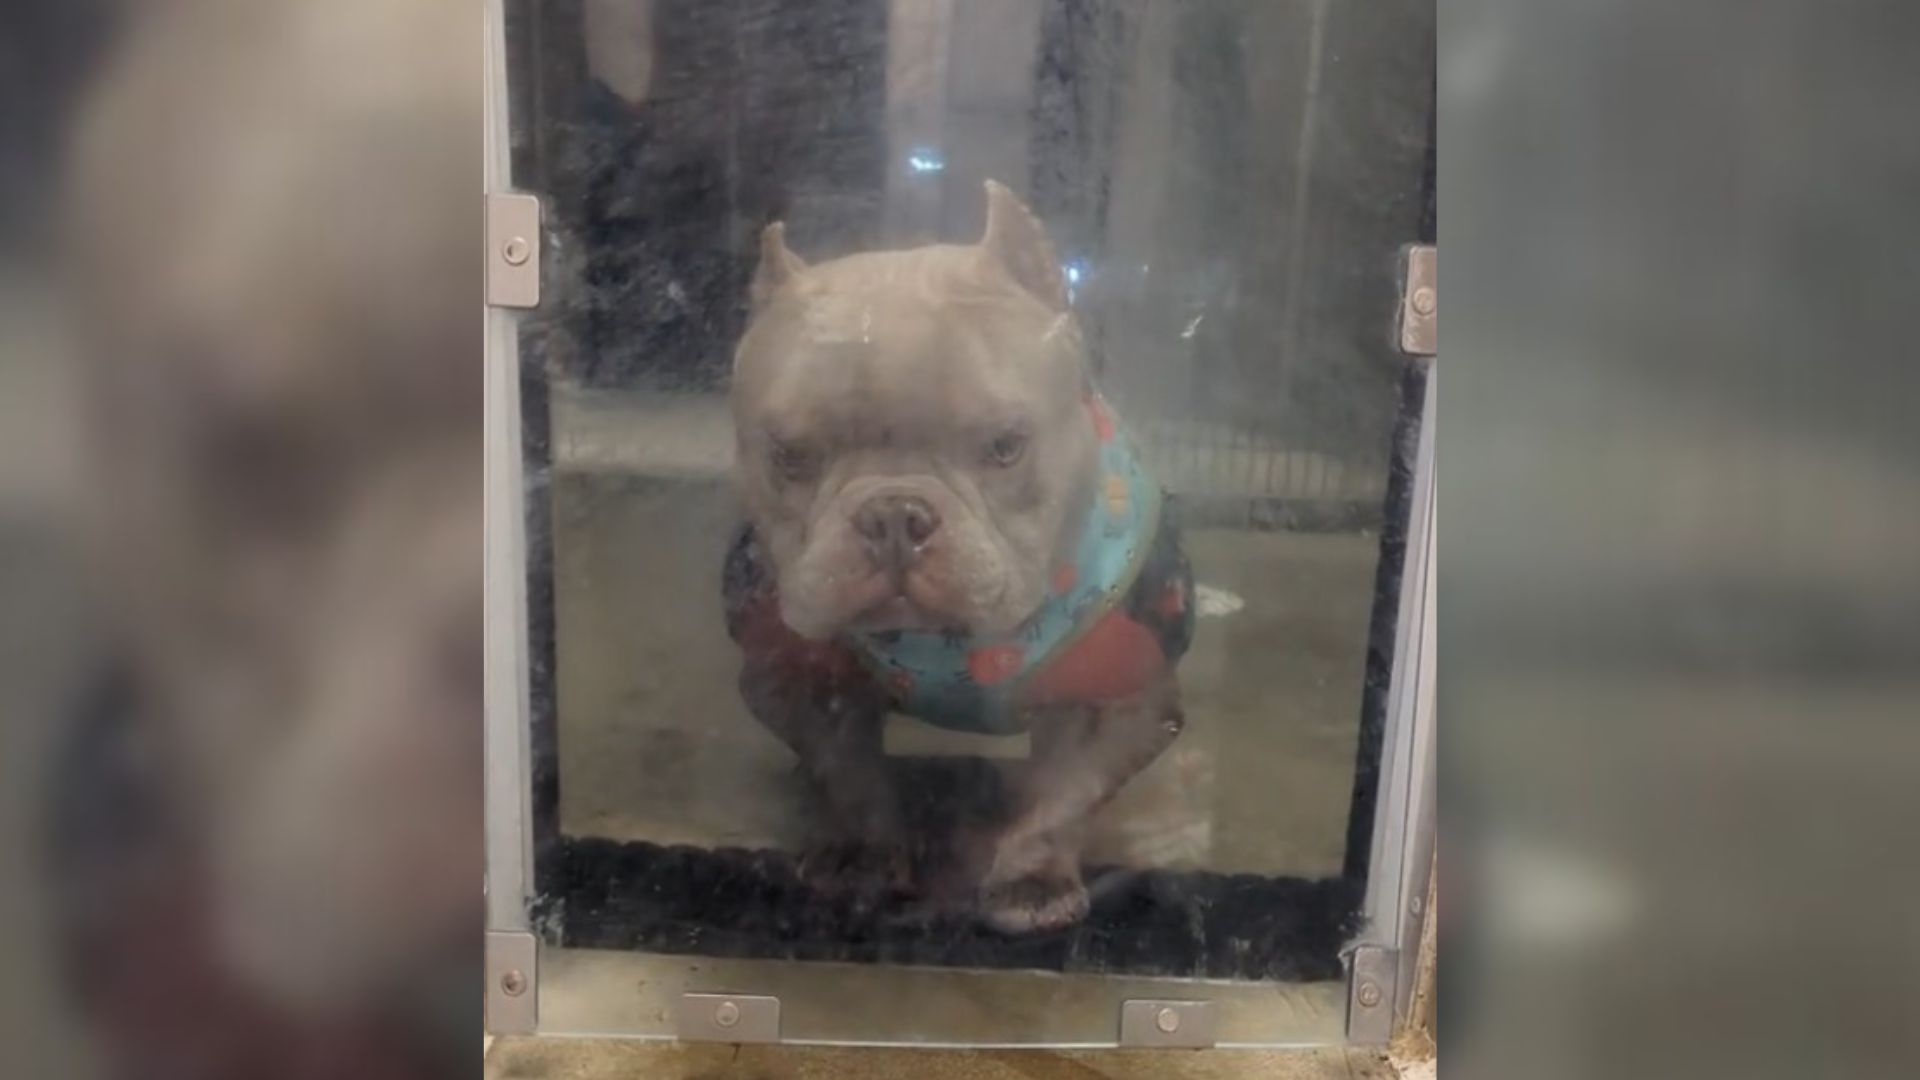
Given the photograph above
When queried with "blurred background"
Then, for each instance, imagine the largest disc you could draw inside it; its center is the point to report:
(1679, 592)
(239, 538)
(47, 52)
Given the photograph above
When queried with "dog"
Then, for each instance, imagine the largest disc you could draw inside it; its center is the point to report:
(945, 519)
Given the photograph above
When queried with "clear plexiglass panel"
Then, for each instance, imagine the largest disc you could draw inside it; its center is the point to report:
(969, 604)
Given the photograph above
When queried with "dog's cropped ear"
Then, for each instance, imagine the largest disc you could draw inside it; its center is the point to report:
(778, 265)
(1018, 242)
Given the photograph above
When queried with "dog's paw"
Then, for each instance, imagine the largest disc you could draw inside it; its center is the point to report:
(1032, 885)
(1050, 900)
(1017, 854)
(862, 871)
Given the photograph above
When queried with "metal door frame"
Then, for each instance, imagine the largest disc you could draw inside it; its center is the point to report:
(1402, 845)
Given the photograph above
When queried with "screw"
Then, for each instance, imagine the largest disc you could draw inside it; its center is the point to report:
(1369, 995)
(516, 251)
(1167, 1020)
(726, 1014)
(1419, 904)
(514, 983)
(1424, 300)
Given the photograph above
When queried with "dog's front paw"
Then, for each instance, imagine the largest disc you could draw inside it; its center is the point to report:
(1016, 854)
(1048, 900)
(863, 871)
(1032, 885)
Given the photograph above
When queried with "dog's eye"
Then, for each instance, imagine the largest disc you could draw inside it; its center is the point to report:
(1007, 449)
(795, 464)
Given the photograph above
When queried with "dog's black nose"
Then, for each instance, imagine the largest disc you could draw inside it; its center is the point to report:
(896, 528)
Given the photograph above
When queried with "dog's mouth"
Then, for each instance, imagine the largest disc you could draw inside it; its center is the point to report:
(912, 602)
(899, 611)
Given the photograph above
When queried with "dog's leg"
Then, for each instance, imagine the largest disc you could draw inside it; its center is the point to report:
(1080, 759)
(860, 847)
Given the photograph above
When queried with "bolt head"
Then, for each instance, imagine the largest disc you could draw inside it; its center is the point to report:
(1424, 300)
(726, 1014)
(516, 251)
(1369, 995)
(513, 983)
(1167, 1020)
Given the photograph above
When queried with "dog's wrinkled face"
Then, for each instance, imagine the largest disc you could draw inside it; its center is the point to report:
(913, 444)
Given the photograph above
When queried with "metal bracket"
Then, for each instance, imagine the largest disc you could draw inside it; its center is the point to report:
(1420, 301)
(1370, 995)
(513, 983)
(513, 251)
(727, 1018)
(1167, 1024)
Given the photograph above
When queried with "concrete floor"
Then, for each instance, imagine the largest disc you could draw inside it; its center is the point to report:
(602, 992)
(585, 1059)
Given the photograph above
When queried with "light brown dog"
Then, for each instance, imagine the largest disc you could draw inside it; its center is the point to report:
(925, 459)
